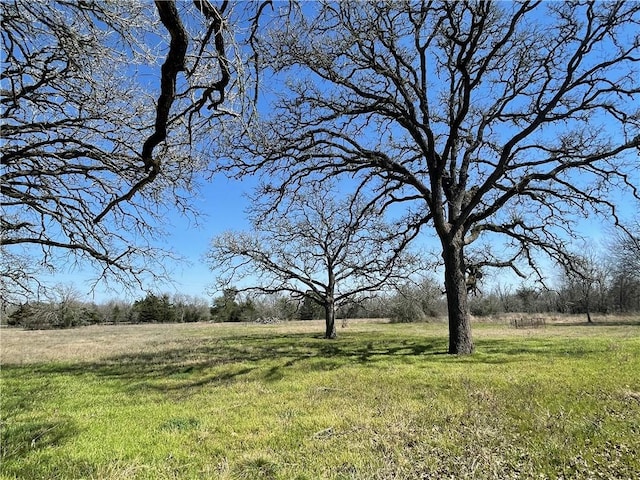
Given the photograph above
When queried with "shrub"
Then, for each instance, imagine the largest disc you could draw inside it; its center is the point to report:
(417, 302)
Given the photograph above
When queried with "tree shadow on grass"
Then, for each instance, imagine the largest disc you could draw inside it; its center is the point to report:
(271, 357)
(20, 438)
(195, 363)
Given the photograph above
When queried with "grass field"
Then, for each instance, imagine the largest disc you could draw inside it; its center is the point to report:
(201, 401)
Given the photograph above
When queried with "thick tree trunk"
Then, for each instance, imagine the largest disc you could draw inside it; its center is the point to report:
(460, 341)
(330, 314)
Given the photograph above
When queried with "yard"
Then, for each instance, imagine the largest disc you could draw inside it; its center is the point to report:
(248, 401)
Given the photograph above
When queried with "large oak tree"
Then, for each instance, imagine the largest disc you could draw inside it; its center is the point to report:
(493, 123)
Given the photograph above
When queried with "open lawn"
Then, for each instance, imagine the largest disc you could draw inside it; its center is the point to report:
(278, 402)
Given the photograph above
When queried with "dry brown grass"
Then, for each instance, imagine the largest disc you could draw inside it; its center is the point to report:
(561, 319)
(98, 342)
(92, 342)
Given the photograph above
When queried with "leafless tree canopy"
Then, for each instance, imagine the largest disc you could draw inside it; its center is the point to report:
(318, 245)
(624, 250)
(99, 141)
(485, 119)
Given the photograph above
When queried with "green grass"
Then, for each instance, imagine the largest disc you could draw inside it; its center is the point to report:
(277, 402)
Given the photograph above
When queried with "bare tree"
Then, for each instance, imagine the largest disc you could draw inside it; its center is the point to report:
(82, 134)
(416, 301)
(59, 308)
(190, 308)
(493, 123)
(624, 263)
(316, 247)
(585, 282)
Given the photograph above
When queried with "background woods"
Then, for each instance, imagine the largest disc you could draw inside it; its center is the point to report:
(611, 287)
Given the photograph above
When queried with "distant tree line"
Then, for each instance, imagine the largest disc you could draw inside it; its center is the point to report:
(66, 311)
(604, 284)
(607, 283)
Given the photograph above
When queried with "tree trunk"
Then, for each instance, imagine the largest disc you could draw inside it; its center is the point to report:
(330, 314)
(588, 308)
(460, 341)
(622, 304)
(586, 297)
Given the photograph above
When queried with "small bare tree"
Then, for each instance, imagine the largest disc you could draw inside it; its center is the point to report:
(314, 246)
(492, 123)
(585, 281)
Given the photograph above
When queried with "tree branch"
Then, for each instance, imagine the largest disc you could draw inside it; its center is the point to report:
(174, 63)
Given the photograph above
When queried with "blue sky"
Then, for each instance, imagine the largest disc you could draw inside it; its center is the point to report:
(222, 204)
(223, 207)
